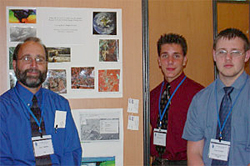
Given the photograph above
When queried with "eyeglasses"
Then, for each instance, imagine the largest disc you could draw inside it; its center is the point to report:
(28, 59)
(233, 53)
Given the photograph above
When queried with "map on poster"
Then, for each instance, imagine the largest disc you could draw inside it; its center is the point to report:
(100, 129)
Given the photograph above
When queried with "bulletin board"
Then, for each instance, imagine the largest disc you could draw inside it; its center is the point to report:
(129, 65)
(84, 48)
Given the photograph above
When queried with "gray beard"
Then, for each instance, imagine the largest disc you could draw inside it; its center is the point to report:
(31, 81)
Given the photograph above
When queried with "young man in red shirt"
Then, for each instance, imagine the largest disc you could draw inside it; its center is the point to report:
(168, 112)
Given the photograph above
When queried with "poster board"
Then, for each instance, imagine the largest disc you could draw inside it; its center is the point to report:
(84, 48)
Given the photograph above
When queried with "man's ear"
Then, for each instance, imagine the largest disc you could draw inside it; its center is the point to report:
(14, 63)
(214, 56)
(159, 61)
(247, 55)
(185, 61)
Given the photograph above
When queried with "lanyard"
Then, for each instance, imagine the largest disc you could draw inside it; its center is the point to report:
(163, 113)
(218, 115)
(31, 113)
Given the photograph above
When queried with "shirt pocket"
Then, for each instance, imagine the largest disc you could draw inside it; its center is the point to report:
(241, 130)
(240, 138)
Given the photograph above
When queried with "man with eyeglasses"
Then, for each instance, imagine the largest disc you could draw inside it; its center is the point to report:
(36, 124)
(218, 122)
(169, 102)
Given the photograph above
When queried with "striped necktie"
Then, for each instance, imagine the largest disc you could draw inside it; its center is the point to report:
(226, 105)
(164, 100)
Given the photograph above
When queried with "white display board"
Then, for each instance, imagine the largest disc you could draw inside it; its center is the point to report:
(84, 48)
(101, 134)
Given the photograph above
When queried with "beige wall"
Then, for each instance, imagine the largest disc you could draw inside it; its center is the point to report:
(193, 20)
(132, 63)
(235, 15)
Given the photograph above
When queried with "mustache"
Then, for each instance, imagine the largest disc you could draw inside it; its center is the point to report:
(32, 70)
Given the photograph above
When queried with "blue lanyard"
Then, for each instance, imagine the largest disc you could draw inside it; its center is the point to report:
(218, 115)
(162, 85)
(31, 113)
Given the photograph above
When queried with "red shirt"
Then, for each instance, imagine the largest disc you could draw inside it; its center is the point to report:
(176, 147)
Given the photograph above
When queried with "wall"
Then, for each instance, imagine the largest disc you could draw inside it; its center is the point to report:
(132, 63)
(235, 15)
(193, 20)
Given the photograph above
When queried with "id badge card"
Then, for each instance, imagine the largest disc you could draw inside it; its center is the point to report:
(60, 119)
(219, 150)
(160, 136)
(42, 146)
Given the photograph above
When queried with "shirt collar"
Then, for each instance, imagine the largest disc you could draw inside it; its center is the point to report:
(240, 81)
(27, 96)
(175, 82)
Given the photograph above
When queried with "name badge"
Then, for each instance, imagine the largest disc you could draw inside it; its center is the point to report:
(219, 150)
(160, 136)
(42, 146)
(60, 119)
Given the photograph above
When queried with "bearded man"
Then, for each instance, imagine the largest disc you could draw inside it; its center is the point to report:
(36, 124)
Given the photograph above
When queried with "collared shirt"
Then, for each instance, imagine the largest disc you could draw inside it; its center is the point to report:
(202, 119)
(15, 131)
(176, 146)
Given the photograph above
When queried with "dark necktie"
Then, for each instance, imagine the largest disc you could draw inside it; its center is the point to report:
(164, 99)
(42, 160)
(226, 105)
